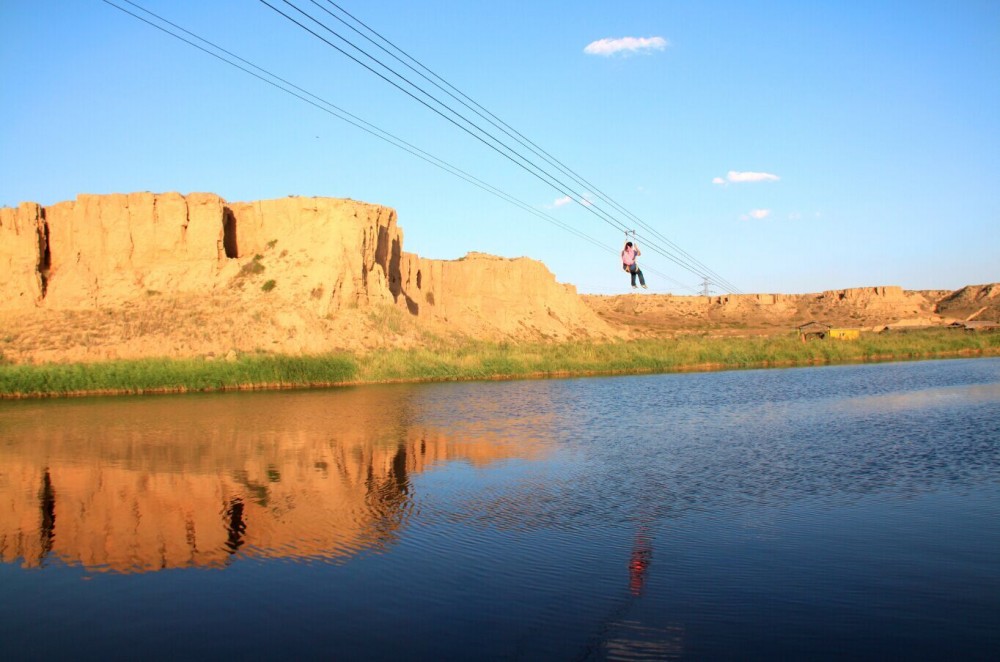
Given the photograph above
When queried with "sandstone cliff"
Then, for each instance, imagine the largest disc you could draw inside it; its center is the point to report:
(167, 275)
(143, 274)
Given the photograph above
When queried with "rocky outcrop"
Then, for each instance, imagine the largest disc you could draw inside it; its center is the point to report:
(23, 251)
(288, 275)
(973, 302)
(889, 302)
(110, 248)
(325, 253)
(482, 292)
(872, 308)
(101, 250)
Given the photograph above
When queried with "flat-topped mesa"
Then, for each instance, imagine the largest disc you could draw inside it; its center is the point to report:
(889, 300)
(302, 260)
(883, 293)
(742, 300)
(102, 250)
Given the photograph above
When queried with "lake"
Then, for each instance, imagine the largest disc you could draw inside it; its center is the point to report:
(810, 513)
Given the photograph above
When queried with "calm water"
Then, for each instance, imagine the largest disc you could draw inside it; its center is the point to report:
(837, 512)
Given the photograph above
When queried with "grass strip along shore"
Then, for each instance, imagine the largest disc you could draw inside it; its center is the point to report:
(475, 360)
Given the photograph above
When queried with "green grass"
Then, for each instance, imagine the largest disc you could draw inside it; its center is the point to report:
(481, 360)
(442, 359)
(160, 375)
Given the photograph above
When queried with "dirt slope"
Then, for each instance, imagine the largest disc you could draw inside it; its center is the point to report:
(974, 302)
(873, 308)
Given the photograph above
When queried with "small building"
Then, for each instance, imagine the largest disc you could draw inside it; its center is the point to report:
(814, 330)
(845, 334)
(975, 326)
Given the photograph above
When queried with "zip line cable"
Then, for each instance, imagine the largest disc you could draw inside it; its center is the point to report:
(545, 177)
(516, 158)
(519, 160)
(507, 129)
(684, 260)
(357, 122)
(503, 126)
(352, 119)
(365, 126)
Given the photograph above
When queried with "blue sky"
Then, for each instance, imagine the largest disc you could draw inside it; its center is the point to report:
(787, 146)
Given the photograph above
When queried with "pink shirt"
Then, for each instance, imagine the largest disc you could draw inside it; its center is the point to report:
(629, 255)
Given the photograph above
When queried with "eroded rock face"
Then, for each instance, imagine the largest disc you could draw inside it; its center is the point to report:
(482, 292)
(973, 302)
(323, 253)
(288, 275)
(22, 256)
(105, 249)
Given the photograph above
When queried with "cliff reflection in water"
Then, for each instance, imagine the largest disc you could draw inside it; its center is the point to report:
(189, 482)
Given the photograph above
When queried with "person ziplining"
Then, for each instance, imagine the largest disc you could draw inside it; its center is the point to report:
(629, 255)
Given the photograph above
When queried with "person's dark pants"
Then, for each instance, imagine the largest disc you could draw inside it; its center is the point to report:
(636, 271)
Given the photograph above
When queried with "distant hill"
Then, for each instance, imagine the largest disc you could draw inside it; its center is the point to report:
(872, 308)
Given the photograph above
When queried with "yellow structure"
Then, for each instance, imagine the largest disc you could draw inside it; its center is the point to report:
(845, 334)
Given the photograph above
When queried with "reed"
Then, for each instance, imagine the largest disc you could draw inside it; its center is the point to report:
(441, 360)
(484, 360)
(168, 375)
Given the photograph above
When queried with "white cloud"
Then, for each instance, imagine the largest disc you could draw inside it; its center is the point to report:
(737, 177)
(757, 214)
(586, 200)
(626, 45)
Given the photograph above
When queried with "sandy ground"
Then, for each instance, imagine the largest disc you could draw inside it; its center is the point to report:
(220, 325)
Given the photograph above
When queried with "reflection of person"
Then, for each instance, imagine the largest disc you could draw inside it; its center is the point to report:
(629, 264)
(642, 554)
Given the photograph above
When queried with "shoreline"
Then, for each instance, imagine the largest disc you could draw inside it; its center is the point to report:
(471, 362)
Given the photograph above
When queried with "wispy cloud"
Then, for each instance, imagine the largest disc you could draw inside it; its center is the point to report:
(756, 214)
(586, 200)
(737, 177)
(625, 45)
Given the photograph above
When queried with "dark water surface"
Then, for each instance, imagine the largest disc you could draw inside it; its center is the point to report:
(821, 513)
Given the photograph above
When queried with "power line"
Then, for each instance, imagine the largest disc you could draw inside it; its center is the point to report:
(684, 261)
(500, 148)
(286, 86)
(507, 129)
(357, 122)
(679, 257)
